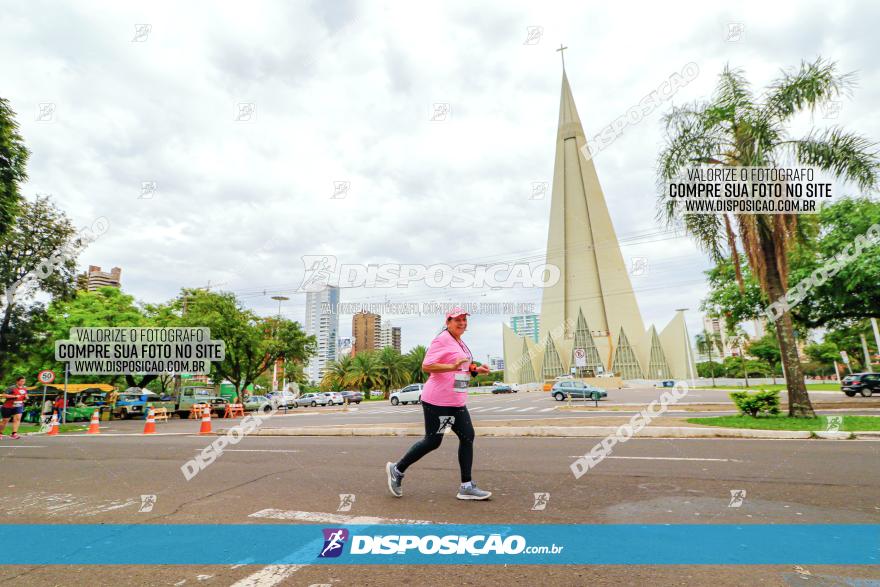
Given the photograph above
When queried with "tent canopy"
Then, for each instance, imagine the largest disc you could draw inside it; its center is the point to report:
(75, 387)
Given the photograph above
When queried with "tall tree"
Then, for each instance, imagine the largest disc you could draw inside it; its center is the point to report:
(253, 344)
(414, 359)
(734, 128)
(13, 167)
(392, 369)
(706, 342)
(38, 254)
(364, 372)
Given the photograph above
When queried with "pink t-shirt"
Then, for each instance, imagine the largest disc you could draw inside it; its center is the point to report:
(439, 389)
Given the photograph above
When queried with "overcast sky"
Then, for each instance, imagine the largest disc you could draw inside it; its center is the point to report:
(346, 92)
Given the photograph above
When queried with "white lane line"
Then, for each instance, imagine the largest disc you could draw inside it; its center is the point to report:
(254, 450)
(525, 409)
(274, 574)
(268, 576)
(666, 459)
(548, 409)
(506, 409)
(327, 518)
(21, 446)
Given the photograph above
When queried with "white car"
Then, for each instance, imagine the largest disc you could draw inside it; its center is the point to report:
(409, 394)
(282, 398)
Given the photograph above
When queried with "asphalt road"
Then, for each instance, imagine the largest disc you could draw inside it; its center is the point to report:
(80, 479)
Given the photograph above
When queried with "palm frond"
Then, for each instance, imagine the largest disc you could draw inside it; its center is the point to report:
(846, 155)
(812, 85)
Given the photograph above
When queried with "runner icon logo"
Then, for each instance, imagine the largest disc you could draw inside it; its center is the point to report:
(346, 500)
(445, 422)
(334, 540)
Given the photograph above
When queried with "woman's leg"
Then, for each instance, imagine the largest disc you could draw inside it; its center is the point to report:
(464, 429)
(434, 426)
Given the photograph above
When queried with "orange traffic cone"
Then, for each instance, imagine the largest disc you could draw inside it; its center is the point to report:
(206, 422)
(94, 427)
(53, 426)
(150, 426)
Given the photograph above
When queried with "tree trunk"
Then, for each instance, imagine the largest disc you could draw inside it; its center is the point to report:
(799, 405)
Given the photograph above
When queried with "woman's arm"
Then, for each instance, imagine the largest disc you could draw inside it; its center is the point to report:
(444, 367)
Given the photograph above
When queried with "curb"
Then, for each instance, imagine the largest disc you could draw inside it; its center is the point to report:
(552, 432)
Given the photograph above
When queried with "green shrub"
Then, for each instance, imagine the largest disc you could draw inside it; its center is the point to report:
(756, 404)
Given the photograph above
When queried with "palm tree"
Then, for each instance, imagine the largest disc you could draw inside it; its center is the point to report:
(705, 342)
(735, 128)
(393, 369)
(414, 359)
(336, 373)
(363, 372)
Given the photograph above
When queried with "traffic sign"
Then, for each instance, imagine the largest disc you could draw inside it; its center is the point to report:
(580, 358)
(46, 377)
(845, 357)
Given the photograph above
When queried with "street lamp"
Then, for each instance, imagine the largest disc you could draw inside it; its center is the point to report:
(275, 365)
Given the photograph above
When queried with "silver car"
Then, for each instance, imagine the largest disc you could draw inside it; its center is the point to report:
(311, 399)
(334, 398)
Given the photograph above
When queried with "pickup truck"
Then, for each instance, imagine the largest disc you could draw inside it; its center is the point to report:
(199, 395)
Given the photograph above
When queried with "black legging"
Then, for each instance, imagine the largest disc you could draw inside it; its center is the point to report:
(437, 419)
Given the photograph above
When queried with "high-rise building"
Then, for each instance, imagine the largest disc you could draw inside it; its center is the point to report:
(94, 278)
(365, 332)
(590, 321)
(322, 321)
(389, 336)
(496, 363)
(714, 329)
(343, 348)
(526, 325)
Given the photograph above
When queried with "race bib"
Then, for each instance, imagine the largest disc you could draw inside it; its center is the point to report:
(462, 380)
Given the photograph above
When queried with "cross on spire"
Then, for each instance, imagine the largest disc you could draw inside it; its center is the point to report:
(561, 54)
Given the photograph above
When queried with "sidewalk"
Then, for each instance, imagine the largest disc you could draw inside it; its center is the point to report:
(662, 427)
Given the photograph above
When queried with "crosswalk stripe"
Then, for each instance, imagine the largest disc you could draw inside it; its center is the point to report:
(548, 409)
(506, 409)
(526, 409)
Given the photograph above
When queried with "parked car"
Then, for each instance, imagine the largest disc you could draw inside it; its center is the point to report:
(575, 389)
(311, 399)
(333, 398)
(502, 388)
(353, 397)
(866, 384)
(409, 394)
(254, 403)
(282, 399)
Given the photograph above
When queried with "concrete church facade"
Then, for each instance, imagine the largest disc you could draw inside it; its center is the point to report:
(590, 319)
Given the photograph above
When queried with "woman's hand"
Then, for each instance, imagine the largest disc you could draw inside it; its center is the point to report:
(483, 369)
(459, 363)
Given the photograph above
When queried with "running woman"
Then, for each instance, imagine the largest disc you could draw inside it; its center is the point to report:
(450, 364)
(13, 407)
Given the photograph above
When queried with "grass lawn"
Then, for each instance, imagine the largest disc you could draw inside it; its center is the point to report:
(71, 427)
(850, 423)
(780, 387)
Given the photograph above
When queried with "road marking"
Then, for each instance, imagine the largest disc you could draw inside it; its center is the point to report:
(21, 446)
(326, 518)
(255, 450)
(548, 409)
(526, 409)
(506, 409)
(665, 459)
(268, 576)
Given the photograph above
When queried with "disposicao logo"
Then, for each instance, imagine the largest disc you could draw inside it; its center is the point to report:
(334, 541)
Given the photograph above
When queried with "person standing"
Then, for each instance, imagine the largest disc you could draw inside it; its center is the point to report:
(450, 364)
(13, 407)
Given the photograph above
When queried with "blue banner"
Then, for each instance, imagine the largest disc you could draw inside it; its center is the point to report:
(445, 544)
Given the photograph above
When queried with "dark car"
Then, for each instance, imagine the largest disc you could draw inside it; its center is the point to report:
(352, 397)
(502, 388)
(575, 390)
(866, 384)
